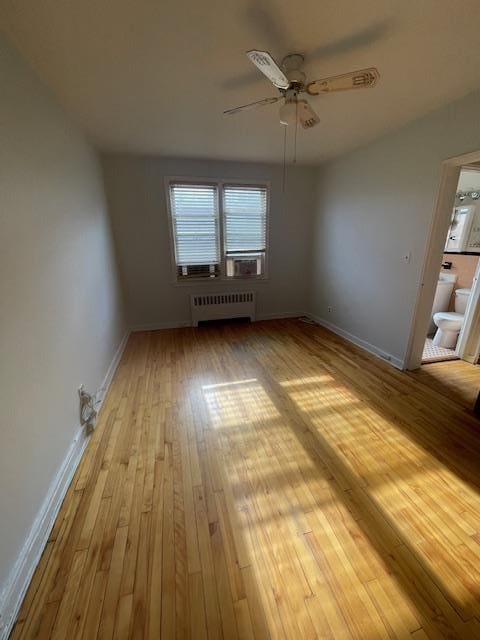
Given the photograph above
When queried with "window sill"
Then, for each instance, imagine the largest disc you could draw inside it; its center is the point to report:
(218, 281)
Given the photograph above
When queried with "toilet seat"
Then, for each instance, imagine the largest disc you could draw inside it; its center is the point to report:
(448, 320)
(449, 324)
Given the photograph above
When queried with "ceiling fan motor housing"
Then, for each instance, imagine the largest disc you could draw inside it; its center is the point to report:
(291, 66)
(296, 77)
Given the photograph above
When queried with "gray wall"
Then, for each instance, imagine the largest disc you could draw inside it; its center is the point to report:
(373, 206)
(135, 192)
(60, 306)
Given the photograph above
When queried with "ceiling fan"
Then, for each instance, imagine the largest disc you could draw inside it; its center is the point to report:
(290, 80)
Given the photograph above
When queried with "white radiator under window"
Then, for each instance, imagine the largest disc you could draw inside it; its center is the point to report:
(220, 306)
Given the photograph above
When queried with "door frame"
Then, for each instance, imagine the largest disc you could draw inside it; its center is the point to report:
(437, 232)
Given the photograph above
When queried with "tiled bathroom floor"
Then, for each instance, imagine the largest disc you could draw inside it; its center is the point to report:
(431, 353)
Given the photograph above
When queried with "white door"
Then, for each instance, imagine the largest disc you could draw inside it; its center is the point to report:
(468, 344)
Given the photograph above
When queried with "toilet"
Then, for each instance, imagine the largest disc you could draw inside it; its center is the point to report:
(450, 323)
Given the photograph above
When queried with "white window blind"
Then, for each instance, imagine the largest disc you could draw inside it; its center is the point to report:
(194, 209)
(245, 216)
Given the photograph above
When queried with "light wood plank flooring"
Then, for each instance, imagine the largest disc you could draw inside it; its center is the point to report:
(267, 481)
(458, 380)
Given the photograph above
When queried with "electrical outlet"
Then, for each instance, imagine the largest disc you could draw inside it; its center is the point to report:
(329, 309)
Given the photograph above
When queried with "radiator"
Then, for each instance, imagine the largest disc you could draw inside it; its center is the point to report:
(219, 306)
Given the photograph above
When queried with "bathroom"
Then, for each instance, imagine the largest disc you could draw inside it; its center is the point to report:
(450, 320)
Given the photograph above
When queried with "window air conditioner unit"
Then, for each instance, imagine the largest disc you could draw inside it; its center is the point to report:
(245, 266)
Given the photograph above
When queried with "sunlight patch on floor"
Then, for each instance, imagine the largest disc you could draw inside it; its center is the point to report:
(402, 478)
(278, 486)
(234, 403)
(228, 384)
(301, 382)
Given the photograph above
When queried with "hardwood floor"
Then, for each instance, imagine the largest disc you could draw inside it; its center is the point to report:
(267, 481)
(458, 380)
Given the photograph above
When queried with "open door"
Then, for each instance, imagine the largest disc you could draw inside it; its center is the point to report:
(468, 345)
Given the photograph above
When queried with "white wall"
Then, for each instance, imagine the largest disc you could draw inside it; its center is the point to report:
(60, 304)
(135, 192)
(373, 206)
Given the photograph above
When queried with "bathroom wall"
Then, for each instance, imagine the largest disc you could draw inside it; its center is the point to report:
(464, 268)
(469, 179)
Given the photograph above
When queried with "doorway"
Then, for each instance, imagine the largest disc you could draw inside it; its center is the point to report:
(451, 268)
(449, 326)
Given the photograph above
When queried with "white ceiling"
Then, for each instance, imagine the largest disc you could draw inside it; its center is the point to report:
(153, 76)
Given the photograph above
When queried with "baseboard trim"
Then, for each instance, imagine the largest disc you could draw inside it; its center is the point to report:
(157, 326)
(179, 324)
(359, 342)
(280, 316)
(107, 381)
(21, 574)
(23, 569)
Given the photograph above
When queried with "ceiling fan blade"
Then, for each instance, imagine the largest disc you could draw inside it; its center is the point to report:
(264, 19)
(361, 79)
(253, 105)
(353, 41)
(307, 116)
(267, 65)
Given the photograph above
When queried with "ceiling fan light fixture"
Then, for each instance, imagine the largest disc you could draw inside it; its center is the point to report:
(288, 113)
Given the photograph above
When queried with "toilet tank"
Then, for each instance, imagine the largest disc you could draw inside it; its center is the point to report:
(461, 300)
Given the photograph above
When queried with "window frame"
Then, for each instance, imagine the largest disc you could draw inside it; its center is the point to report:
(219, 184)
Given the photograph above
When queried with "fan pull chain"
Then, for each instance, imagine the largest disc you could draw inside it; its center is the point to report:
(284, 157)
(295, 138)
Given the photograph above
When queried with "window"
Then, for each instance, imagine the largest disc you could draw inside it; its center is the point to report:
(194, 209)
(218, 229)
(245, 223)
